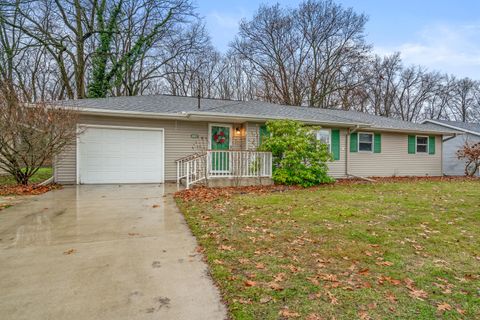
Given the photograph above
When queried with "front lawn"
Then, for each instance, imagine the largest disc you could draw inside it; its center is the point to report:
(41, 175)
(405, 250)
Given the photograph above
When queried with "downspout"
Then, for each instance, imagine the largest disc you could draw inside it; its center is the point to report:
(347, 148)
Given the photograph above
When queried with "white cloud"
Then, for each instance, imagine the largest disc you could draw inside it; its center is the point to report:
(445, 48)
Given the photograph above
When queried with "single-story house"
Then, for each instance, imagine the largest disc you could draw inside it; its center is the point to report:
(152, 139)
(452, 166)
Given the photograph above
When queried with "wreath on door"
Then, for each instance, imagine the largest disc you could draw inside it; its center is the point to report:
(219, 137)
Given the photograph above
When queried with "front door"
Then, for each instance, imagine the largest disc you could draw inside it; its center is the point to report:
(220, 140)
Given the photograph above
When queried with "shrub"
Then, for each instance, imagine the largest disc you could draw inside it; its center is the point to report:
(298, 157)
(471, 154)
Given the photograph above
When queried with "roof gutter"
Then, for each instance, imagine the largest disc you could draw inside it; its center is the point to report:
(201, 115)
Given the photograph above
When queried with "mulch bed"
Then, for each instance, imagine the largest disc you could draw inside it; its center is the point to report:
(205, 195)
(21, 190)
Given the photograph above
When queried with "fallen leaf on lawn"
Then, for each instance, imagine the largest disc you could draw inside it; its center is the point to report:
(368, 253)
(265, 299)
(293, 268)
(243, 261)
(391, 297)
(69, 251)
(199, 249)
(225, 248)
(385, 263)
(313, 316)
(250, 283)
(461, 311)
(363, 315)
(275, 286)
(314, 280)
(444, 307)
(279, 277)
(333, 299)
(288, 314)
(364, 272)
(329, 277)
(418, 294)
(216, 261)
(260, 266)
(243, 301)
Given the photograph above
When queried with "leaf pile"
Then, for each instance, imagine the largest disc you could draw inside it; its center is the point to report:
(206, 195)
(22, 190)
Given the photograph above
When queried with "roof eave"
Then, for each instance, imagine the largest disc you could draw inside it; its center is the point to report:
(245, 117)
(452, 127)
(446, 132)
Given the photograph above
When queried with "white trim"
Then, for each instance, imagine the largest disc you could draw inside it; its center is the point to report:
(451, 127)
(373, 142)
(77, 160)
(428, 144)
(329, 137)
(230, 138)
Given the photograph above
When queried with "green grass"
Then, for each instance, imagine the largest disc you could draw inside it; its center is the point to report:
(346, 251)
(41, 175)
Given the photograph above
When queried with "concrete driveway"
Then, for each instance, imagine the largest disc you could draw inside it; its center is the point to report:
(102, 252)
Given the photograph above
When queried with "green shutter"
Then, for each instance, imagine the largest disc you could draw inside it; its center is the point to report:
(354, 142)
(263, 132)
(336, 144)
(431, 145)
(411, 144)
(377, 143)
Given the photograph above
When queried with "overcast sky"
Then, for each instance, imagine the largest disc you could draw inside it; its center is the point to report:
(442, 35)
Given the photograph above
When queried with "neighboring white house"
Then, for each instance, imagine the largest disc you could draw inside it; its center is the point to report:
(452, 166)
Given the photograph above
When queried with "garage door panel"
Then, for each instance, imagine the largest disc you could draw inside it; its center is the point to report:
(111, 155)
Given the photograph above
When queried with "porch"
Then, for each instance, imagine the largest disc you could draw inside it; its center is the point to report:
(225, 168)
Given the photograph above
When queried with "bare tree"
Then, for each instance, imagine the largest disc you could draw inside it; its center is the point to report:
(31, 134)
(306, 55)
(465, 103)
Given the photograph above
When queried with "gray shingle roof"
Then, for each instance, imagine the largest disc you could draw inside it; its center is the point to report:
(473, 127)
(177, 105)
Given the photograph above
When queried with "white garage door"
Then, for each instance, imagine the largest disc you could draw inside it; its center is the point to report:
(120, 155)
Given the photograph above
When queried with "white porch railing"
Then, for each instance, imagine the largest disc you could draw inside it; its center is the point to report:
(223, 164)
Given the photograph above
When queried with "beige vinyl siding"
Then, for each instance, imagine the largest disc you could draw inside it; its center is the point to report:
(65, 168)
(178, 142)
(252, 135)
(394, 159)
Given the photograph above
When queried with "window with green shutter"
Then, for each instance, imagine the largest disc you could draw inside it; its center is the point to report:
(336, 144)
(411, 144)
(263, 133)
(354, 142)
(377, 143)
(431, 145)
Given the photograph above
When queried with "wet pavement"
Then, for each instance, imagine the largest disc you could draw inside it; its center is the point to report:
(102, 252)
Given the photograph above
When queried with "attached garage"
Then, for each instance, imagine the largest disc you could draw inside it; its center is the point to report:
(110, 154)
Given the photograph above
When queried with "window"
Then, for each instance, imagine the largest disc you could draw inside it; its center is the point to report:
(422, 144)
(324, 137)
(365, 142)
